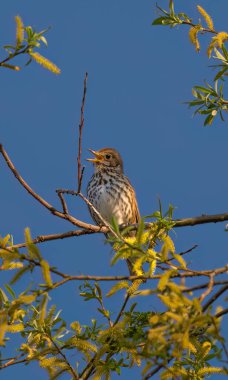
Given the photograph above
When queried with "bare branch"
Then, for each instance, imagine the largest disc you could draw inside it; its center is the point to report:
(201, 220)
(62, 200)
(81, 125)
(221, 313)
(44, 203)
(203, 286)
(189, 273)
(43, 238)
(209, 288)
(71, 369)
(122, 309)
(215, 297)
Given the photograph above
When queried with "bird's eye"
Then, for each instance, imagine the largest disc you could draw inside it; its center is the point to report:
(107, 156)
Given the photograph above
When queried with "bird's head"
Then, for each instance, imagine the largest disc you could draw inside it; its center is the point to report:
(106, 158)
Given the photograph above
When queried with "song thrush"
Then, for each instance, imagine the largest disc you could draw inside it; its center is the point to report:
(111, 192)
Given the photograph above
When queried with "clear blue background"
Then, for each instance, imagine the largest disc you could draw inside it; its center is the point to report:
(139, 76)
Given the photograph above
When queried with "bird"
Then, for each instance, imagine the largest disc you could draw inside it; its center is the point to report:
(111, 192)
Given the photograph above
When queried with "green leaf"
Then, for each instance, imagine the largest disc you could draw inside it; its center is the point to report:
(19, 274)
(208, 121)
(140, 230)
(10, 290)
(171, 8)
(43, 39)
(203, 89)
(120, 285)
(3, 296)
(159, 21)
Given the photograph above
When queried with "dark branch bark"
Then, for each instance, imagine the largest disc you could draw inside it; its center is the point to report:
(81, 126)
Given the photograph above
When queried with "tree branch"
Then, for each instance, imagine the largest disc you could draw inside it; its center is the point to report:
(215, 297)
(81, 125)
(44, 203)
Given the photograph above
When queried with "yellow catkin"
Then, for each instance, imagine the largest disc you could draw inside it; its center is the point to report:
(45, 62)
(19, 30)
(12, 67)
(193, 32)
(206, 17)
(217, 41)
(221, 38)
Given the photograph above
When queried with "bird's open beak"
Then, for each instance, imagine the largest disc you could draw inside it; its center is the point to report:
(98, 157)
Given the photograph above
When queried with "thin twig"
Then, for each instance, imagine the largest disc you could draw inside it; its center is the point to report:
(156, 370)
(215, 297)
(221, 313)
(105, 223)
(90, 366)
(67, 278)
(42, 201)
(60, 195)
(209, 288)
(187, 251)
(204, 30)
(75, 376)
(122, 309)
(44, 238)
(221, 340)
(202, 286)
(12, 362)
(200, 220)
(81, 125)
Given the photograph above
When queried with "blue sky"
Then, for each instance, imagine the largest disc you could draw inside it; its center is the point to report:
(139, 77)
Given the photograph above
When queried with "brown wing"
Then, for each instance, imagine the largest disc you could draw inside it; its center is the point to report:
(136, 214)
(136, 209)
